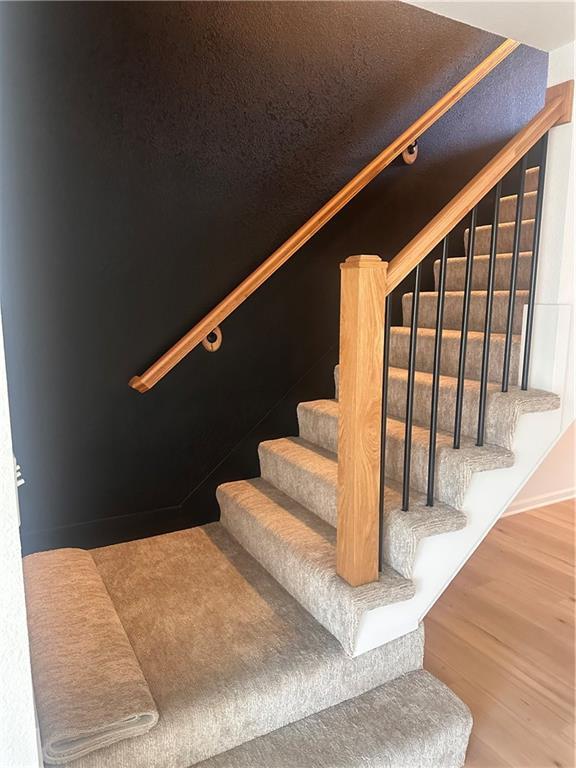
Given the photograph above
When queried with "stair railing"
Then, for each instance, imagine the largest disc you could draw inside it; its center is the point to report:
(366, 286)
(208, 331)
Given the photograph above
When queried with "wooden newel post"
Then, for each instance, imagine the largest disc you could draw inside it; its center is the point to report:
(362, 309)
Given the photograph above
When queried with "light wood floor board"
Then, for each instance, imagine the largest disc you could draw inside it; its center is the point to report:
(502, 637)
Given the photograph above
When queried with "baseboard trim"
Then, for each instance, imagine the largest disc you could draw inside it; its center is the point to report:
(540, 500)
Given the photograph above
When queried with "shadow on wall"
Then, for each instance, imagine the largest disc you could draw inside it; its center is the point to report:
(141, 184)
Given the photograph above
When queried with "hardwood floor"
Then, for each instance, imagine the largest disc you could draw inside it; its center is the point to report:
(502, 637)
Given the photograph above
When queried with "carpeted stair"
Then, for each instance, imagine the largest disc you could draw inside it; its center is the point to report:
(241, 637)
(286, 518)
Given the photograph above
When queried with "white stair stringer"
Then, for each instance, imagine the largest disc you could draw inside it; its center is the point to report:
(439, 558)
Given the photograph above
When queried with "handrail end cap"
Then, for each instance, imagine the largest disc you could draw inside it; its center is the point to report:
(138, 384)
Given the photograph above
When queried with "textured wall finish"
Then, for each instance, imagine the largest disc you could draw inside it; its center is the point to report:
(153, 155)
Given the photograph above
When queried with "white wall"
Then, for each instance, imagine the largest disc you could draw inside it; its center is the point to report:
(557, 275)
(543, 24)
(555, 478)
(18, 741)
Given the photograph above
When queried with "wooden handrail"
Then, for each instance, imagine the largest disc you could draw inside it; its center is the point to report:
(247, 287)
(556, 110)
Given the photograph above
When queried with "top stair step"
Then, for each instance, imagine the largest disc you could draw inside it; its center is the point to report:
(507, 216)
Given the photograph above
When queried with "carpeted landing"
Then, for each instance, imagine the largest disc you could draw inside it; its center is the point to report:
(226, 656)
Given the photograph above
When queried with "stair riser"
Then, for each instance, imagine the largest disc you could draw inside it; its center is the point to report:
(508, 207)
(453, 311)
(452, 474)
(318, 430)
(531, 183)
(315, 493)
(505, 238)
(456, 273)
(399, 349)
(498, 425)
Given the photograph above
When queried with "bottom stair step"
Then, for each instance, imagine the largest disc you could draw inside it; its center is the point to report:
(299, 551)
(414, 721)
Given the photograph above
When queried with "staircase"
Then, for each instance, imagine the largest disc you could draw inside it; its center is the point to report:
(286, 518)
(289, 634)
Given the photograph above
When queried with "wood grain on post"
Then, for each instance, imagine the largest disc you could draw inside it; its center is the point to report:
(362, 308)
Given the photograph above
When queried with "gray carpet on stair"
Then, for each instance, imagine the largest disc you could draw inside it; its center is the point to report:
(286, 518)
(454, 468)
(531, 183)
(502, 408)
(299, 550)
(456, 272)
(453, 310)
(412, 722)
(505, 238)
(508, 207)
(400, 343)
(228, 654)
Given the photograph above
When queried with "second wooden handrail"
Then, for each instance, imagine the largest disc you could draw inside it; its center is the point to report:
(247, 287)
(557, 110)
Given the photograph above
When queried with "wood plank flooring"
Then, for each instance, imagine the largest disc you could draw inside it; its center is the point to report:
(502, 637)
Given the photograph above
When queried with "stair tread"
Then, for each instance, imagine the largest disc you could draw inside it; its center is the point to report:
(486, 256)
(454, 468)
(505, 239)
(484, 227)
(502, 408)
(497, 292)
(532, 193)
(453, 303)
(319, 461)
(403, 330)
(514, 392)
(313, 540)
(296, 450)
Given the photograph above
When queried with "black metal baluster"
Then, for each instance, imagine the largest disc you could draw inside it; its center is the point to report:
(534, 268)
(488, 319)
(464, 335)
(385, 369)
(513, 276)
(410, 391)
(436, 374)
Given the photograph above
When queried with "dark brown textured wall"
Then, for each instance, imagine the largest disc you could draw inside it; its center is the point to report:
(153, 154)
